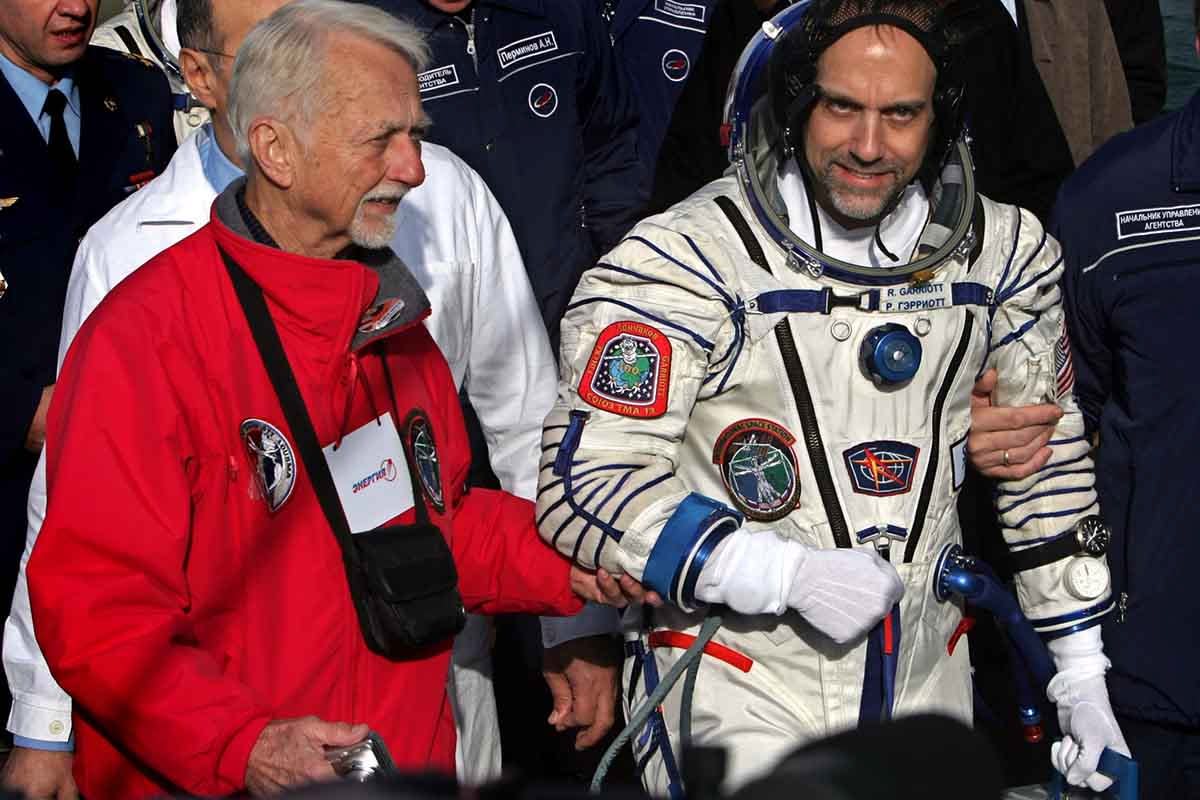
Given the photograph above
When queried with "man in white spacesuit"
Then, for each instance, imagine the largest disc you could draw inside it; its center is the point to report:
(147, 28)
(765, 397)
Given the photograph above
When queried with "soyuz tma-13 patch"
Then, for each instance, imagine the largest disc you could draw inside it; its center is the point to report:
(758, 468)
(629, 371)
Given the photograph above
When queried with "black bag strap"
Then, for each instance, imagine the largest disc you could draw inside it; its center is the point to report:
(410, 451)
(270, 349)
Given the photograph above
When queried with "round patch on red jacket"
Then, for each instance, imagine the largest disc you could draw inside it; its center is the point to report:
(380, 315)
(758, 468)
(274, 461)
(629, 371)
(423, 448)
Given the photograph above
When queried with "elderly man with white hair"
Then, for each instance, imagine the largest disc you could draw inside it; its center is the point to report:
(257, 458)
(453, 236)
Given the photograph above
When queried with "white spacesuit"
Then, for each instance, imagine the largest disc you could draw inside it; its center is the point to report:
(146, 28)
(728, 386)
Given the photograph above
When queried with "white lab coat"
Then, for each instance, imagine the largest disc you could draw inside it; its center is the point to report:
(456, 240)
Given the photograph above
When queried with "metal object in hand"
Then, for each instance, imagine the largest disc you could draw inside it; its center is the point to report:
(957, 574)
(362, 761)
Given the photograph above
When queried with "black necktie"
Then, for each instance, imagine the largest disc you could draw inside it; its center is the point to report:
(62, 157)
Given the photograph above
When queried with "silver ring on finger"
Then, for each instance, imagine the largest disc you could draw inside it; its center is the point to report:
(1006, 461)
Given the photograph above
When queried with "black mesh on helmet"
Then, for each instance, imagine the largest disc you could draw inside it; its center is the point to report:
(829, 20)
(936, 24)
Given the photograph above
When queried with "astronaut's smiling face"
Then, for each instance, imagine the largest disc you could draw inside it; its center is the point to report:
(871, 124)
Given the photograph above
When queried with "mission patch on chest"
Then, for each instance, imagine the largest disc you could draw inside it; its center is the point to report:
(758, 468)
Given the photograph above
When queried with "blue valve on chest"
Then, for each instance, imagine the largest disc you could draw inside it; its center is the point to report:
(890, 354)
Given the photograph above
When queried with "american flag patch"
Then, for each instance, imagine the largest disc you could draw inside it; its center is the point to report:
(1064, 367)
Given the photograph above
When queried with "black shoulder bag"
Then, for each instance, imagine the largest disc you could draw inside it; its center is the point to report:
(401, 577)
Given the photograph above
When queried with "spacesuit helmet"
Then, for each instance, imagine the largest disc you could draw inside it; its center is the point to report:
(773, 91)
(792, 70)
(157, 21)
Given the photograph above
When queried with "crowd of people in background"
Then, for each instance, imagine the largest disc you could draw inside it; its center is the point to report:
(284, 283)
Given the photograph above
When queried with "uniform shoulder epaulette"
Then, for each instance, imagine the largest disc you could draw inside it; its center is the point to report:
(140, 59)
(120, 56)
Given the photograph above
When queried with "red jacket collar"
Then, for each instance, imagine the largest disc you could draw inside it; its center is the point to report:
(340, 301)
(322, 298)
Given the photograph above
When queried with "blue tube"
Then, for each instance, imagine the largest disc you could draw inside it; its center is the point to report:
(977, 583)
(1122, 769)
(986, 591)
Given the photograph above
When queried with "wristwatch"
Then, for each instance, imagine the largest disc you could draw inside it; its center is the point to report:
(1086, 578)
(1090, 538)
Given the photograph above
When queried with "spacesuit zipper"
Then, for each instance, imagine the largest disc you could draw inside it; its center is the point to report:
(812, 435)
(939, 405)
(800, 393)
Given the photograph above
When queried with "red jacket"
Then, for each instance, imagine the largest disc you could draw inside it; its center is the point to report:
(179, 612)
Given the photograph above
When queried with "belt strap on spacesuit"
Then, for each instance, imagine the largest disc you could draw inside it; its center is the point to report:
(654, 737)
(879, 677)
(638, 717)
(905, 298)
(718, 651)
(127, 39)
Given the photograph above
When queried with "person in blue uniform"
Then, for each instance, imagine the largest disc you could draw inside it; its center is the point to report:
(83, 128)
(1128, 221)
(657, 42)
(528, 92)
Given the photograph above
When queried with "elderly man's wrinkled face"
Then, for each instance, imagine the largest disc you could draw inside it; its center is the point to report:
(44, 36)
(871, 124)
(364, 147)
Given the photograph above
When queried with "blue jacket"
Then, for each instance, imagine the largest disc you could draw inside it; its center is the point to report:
(38, 236)
(533, 100)
(126, 137)
(1129, 223)
(657, 42)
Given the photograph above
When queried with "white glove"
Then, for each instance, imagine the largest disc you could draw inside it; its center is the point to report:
(841, 592)
(1084, 712)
